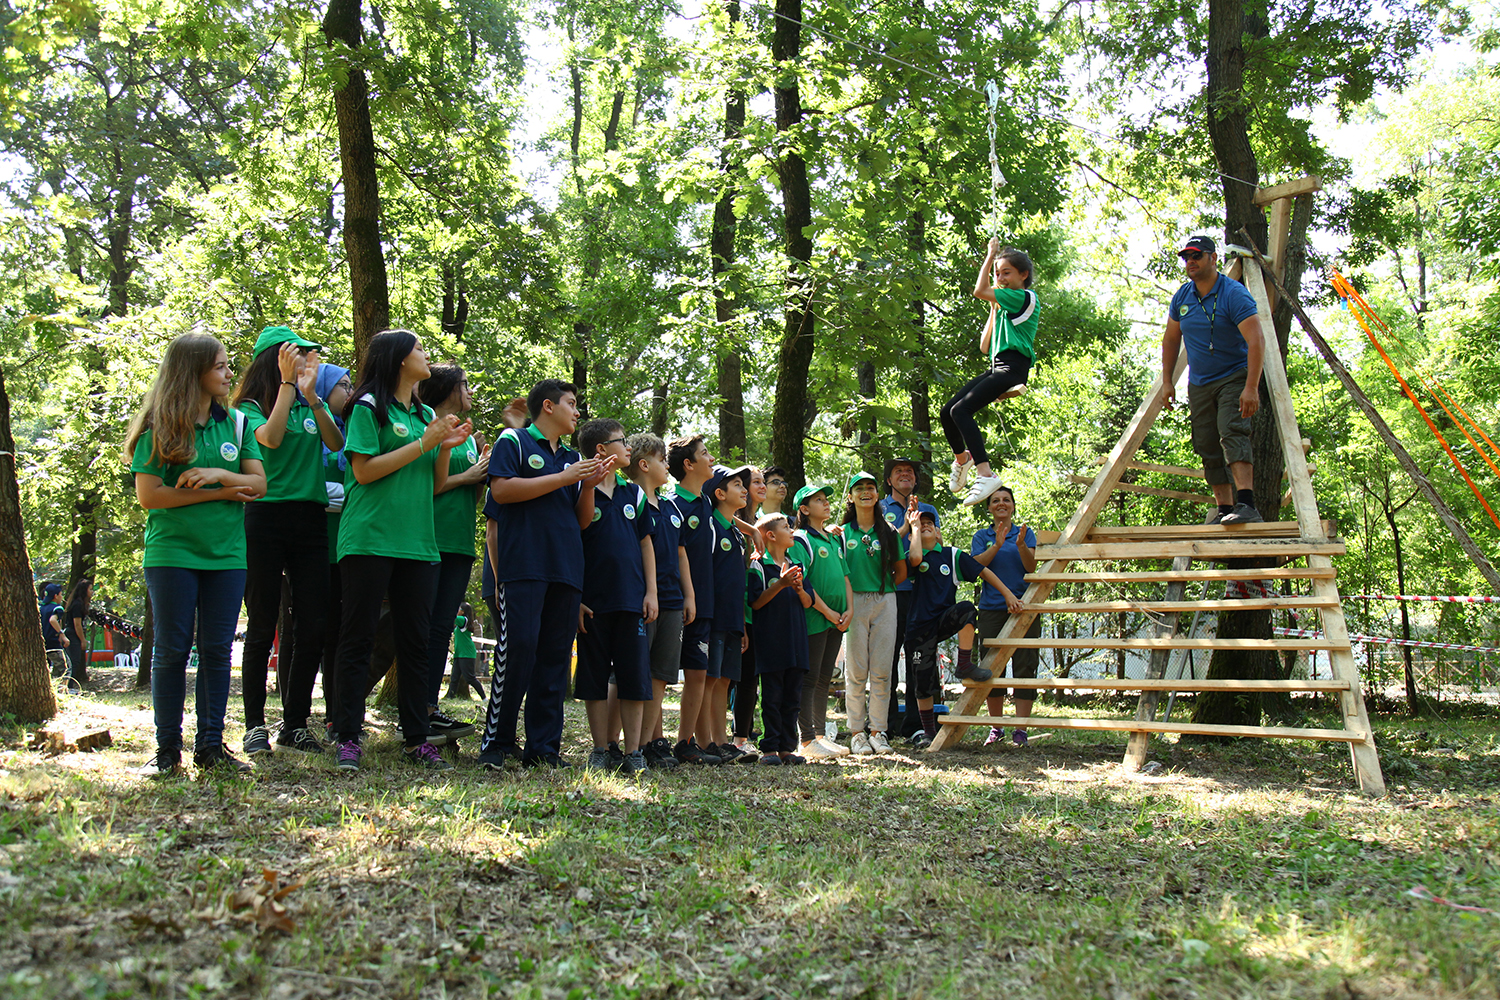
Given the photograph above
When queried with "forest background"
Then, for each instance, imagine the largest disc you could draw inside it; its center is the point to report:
(759, 223)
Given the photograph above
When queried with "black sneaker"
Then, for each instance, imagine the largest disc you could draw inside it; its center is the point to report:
(166, 763)
(426, 756)
(689, 752)
(215, 758)
(658, 754)
(257, 741)
(599, 761)
(616, 757)
(442, 729)
(973, 672)
(1243, 513)
(635, 763)
(550, 761)
(492, 760)
(300, 741)
(729, 753)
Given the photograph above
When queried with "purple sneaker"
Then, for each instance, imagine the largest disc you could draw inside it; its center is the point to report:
(996, 735)
(1018, 737)
(425, 756)
(348, 754)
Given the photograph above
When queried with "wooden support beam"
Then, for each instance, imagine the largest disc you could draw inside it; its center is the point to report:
(1291, 189)
(1178, 532)
(1164, 684)
(1178, 470)
(1150, 491)
(1153, 576)
(1130, 725)
(1144, 642)
(1227, 549)
(1229, 604)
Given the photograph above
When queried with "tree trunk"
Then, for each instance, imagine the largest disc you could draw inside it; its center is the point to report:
(455, 301)
(921, 396)
(732, 444)
(25, 680)
(351, 102)
(791, 407)
(1413, 705)
(659, 414)
(867, 393)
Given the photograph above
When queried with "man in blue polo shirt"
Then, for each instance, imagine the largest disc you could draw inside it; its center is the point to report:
(541, 497)
(901, 478)
(1216, 318)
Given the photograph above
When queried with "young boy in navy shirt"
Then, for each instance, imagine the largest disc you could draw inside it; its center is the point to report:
(691, 465)
(541, 497)
(937, 614)
(779, 598)
(730, 491)
(619, 598)
(648, 470)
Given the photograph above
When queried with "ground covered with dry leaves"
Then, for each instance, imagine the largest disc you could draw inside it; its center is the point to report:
(1252, 870)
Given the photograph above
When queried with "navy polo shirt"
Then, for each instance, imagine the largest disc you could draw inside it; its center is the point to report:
(666, 526)
(697, 536)
(1211, 329)
(1006, 565)
(729, 576)
(894, 512)
(614, 577)
(538, 538)
(937, 580)
(780, 626)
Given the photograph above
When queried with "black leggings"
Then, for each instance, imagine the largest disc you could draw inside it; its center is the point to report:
(290, 538)
(409, 584)
(1010, 370)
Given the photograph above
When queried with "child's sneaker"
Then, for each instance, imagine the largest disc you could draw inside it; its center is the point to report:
(981, 489)
(973, 672)
(598, 761)
(300, 741)
(216, 759)
(257, 741)
(658, 754)
(166, 763)
(996, 735)
(772, 760)
(616, 757)
(815, 750)
(426, 756)
(879, 744)
(959, 474)
(834, 747)
(635, 763)
(443, 729)
(860, 745)
(689, 752)
(492, 760)
(348, 756)
(920, 740)
(1018, 737)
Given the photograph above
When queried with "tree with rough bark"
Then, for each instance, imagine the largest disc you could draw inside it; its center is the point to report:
(25, 681)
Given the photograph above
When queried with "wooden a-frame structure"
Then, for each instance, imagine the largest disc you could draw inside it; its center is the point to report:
(1308, 540)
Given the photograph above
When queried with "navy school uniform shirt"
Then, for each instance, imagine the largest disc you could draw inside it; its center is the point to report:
(936, 583)
(780, 625)
(614, 577)
(697, 536)
(729, 576)
(894, 512)
(666, 527)
(1006, 565)
(538, 538)
(1211, 329)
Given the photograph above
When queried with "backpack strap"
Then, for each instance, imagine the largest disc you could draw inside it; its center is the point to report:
(239, 431)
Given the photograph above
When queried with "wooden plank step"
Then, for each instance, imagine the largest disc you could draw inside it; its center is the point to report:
(1166, 642)
(1160, 684)
(1176, 532)
(1179, 470)
(1167, 575)
(1150, 491)
(1210, 550)
(1132, 726)
(1243, 604)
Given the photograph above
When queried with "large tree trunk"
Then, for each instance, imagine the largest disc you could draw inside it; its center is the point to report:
(732, 443)
(25, 681)
(791, 408)
(455, 301)
(921, 394)
(351, 102)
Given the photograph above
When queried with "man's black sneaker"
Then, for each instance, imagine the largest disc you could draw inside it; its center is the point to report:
(549, 761)
(973, 672)
(492, 760)
(616, 757)
(166, 763)
(689, 752)
(1243, 513)
(730, 754)
(425, 756)
(215, 758)
(300, 741)
(442, 729)
(257, 741)
(920, 740)
(658, 754)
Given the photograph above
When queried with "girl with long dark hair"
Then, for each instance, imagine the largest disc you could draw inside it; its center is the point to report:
(194, 465)
(398, 452)
(74, 616)
(286, 532)
(877, 566)
(821, 557)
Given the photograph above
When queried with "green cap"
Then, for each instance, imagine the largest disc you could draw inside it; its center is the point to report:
(861, 477)
(809, 491)
(273, 335)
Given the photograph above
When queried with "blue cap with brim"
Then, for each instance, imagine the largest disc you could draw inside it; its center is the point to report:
(722, 474)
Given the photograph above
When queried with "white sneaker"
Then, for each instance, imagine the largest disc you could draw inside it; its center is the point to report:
(981, 489)
(879, 744)
(959, 476)
(860, 745)
(815, 750)
(834, 747)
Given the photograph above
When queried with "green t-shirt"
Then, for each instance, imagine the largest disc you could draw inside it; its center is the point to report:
(392, 516)
(453, 512)
(463, 642)
(864, 555)
(825, 569)
(208, 535)
(294, 470)
(1016, 313)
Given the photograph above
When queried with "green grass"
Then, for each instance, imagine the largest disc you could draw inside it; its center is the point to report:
(1250, 870)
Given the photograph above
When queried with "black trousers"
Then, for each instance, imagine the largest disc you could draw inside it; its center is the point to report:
(780, 698)
(448, 593)
(290, 539)
(331, 633)
(409, 586)
(911, 724)
(957, 415)
(745, 690)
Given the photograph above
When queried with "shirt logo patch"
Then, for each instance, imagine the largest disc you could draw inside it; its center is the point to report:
(535, 461)
(852, 544)
(310, 425)
(923, 568)
(1182, 310)
(693, 521)
(400, 430)
(890, 517)
(630, 511)
(875, 546)
(676, 521)
(725, 544)
(596, 516)
(228, 451)
(943, 569)
(822, 552)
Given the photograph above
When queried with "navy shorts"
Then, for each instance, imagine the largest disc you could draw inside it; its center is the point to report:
(615, 643)
(923, 642)
(695, 643)
(724, 655)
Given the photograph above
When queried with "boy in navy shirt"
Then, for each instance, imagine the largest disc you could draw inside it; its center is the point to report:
(619, 598)
(541, 497)
(691, 465)
(938, 615)
(648, 470)
(779, 598)
(730, 491)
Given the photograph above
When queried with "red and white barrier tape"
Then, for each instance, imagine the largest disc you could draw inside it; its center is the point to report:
(1448, 598)
(1380, 640)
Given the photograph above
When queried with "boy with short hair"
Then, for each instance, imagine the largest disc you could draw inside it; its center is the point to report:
(619, 598)
(730, 491)
(541, 496)
(648, 470)
(779, 597)
(691, 465)
(937, 614)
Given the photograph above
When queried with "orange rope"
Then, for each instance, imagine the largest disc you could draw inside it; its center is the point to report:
(1477, 429)
(1350, 295)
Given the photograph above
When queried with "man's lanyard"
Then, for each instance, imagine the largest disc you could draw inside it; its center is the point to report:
(1211, 316)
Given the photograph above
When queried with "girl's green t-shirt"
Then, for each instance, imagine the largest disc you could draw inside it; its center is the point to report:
(1016, 314)
(208, 535)
(454, 511)
(865, 556)
(294, 470)
(463, 642)
(822, 560)
(392, 516)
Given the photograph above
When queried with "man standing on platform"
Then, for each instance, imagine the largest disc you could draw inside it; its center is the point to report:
(1216, 318)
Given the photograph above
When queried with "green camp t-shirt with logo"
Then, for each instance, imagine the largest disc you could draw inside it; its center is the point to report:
(463, 642)
(392, 516)
(822, 560)
(208, 535)
(865, 555)
(453, 512)
(294, 470)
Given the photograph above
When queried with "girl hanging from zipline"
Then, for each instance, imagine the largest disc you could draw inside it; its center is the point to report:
(1007, 344)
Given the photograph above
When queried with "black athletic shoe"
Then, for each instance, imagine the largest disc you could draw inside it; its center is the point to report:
(442, 729)
(658, 754)
(492, 760)
(215, 758)
(1243, 513)
(973, 672)
(549, 761)
(689, 752)
(616, 757)
(164, 764)
(300, 741)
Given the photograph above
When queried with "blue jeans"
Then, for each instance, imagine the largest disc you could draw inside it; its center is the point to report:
(178, 596)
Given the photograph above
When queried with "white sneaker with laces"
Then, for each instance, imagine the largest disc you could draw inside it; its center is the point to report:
(815, 750)
(980, 490)
(860, 745)
(959, 476)
(879, 744)
(834, 747)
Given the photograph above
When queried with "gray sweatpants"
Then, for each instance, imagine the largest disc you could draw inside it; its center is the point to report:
(867, 660)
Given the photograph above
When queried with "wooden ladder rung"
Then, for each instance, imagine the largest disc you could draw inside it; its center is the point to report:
(1178, 470)
(1229, 548)
(1215, 532)
(1150, 491)
(1132, 726)
(1167, 575)
(1227, 604)
(1144, 684)
(1166, 642)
